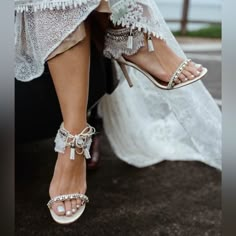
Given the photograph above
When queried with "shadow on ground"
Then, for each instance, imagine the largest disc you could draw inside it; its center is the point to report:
(167, 199)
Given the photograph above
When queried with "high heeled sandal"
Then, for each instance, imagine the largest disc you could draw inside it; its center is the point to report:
(78, 144)
(119, 42)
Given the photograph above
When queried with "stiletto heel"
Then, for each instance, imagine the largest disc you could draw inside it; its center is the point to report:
(161, 84)
(125, 72)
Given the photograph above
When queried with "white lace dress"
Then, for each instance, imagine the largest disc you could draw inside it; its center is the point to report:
(42, 25)
(144, 125)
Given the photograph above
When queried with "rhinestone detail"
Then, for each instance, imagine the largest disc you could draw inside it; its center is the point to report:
(175, 76)
(116, 41)
(80, 141)
(65, 197)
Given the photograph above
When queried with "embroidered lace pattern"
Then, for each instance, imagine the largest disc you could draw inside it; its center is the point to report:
(135, 14)
(38, 33)
(116, 42)
(41, 26)
(36, 5)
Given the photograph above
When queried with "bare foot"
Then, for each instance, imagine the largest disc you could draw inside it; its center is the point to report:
(163, 62)
(69, 177)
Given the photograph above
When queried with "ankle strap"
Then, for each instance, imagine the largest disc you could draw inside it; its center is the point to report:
(122, 41)
(81, 141)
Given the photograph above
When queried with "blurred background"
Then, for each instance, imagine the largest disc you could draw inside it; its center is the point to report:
(192, 14)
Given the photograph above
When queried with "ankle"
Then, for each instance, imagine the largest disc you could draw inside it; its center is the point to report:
(122, 41)
(75, 128)
(79, 143)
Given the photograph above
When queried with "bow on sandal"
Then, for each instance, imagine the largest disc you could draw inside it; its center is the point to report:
(128, 42)
(81, 142)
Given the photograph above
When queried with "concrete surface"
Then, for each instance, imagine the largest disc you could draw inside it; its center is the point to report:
(167, 199)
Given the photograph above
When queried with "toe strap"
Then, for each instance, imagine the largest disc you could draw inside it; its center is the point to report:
(65, 197)
(177, 73)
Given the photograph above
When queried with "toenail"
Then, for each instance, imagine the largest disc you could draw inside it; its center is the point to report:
(60, 209)
(192, 76)
(185, 79)
(78, 206)
(198, 65)
(73, 210)
(68, 213)
(198, 72)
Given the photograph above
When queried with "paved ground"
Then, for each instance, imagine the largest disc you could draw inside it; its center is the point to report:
(208, 53)
(168, 199)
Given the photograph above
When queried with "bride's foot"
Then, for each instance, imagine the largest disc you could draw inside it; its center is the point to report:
(68, 185)
(69, 177)
(163, 62)
(153, 57)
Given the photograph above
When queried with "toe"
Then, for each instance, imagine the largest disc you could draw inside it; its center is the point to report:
(177, 81)
(199, 67)
(73, 206)
(68, 208)
(78, 203)
(59, 208)
(192, 69)
(183, 78)
(188, 75)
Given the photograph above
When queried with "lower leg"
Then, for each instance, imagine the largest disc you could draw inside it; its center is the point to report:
(70, 74)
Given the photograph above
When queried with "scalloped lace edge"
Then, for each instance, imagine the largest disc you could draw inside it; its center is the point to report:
(39, 6)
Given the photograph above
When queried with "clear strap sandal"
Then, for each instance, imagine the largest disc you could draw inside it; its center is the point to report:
(119, 42)
(78, 144)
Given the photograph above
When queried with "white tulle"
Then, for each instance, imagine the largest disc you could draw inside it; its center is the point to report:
(146, 125)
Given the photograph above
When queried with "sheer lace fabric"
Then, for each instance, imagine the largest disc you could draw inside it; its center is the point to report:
(136, 14)
(115, 44)
(39, 33)
(146, 125)
(42, 25)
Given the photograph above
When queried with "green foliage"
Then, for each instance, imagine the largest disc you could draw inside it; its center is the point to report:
(212, 31)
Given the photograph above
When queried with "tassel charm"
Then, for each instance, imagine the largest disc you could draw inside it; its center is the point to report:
(130, 40)
(82, 141)
(150, 44)
(87, 154)
(72, 151)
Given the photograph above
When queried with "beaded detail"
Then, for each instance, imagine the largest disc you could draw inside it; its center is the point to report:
(122, 41)
(135, 14)
(65, 197)
(80, 141)
(176, 75)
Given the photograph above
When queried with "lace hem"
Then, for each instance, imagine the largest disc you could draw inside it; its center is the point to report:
(53, 4)
(135, 15)
(42, 39)
(116, 43)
